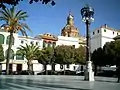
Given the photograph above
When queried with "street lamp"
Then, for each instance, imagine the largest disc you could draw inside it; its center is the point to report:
(87, 17)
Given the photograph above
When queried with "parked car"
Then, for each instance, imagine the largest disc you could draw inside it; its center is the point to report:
(80, 72)
(67, 72)
(26, 72)
(48, 72)
(107, 73)
(3, 72)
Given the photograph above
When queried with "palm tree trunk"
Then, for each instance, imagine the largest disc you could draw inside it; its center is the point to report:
(8, 52)
(29, 63)
(45, 68)
(53, 69)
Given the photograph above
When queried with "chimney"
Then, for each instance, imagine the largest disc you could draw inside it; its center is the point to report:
(105, 25)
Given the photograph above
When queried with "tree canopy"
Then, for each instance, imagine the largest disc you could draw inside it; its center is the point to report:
(108, 55)
(98, 57)
(13, 20)
(80, 55)
(16, 2)
(45, 55)
(64, 54)
(29, 52)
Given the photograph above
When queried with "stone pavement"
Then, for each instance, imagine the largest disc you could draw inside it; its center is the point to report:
(46, 82)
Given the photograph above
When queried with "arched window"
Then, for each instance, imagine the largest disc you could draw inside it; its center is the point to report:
(61, 66)
(7, 41)
(44, 44)
(49, 44)
(2, 39)
(19, 56)
(54, 44)
(11, 54)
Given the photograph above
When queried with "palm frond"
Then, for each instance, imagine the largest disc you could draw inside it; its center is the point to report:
(21, 15)
(12, 12)
(26, 26)
(5, 12)
(3, 19)
(12, 18)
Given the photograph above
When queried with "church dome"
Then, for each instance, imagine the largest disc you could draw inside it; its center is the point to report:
(70, 30)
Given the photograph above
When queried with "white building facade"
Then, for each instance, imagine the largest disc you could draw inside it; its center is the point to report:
(19, 63)
(69, 36)
(102, 35)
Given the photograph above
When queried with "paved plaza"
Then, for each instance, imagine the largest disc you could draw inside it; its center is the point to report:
(45, 82)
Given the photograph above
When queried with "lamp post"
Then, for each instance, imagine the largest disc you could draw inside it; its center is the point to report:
(87, 17)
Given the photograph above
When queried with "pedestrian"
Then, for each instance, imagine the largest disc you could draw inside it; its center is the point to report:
(118, 74)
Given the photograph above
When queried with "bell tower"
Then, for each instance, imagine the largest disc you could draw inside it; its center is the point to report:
(70, 30)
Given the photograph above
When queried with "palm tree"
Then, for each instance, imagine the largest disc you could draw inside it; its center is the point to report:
(12, 25)
(29, 52)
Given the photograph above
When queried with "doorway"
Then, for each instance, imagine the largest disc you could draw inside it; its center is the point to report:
(19, 68)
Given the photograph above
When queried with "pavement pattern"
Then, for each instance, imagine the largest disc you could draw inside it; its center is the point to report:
(47, 82)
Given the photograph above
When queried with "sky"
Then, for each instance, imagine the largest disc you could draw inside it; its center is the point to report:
(51, 19)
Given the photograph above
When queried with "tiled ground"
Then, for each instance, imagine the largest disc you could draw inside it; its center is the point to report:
(56, 83)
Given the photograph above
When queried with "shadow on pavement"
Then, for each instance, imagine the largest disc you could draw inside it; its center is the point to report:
(24, 83)
(107, 81)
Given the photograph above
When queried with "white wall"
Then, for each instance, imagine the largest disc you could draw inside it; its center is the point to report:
(62, 40)
(36, 66)
(95, 39)
(100, 39)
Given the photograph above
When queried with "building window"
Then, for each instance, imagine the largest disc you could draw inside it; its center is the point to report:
(36, 43)
(113, 32)
(98, 31)
(2, 39)
(22, 41)
(54, 44)
(19, 56)
(44, 44)
(93, 33)
(31, 42)
(117, 33)
(61, 66)
(104, 30)
(49, 44)
(68, 66)
(74, 67)
(73, 46)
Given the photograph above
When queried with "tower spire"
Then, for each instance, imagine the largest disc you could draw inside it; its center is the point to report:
(70, 12)
(70, 19)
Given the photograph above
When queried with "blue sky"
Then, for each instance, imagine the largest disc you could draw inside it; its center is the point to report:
(51, 19)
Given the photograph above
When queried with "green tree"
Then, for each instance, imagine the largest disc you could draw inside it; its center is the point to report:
(64, 55)
(80, 55)
(109, 55)
(117, 52)
(112, 50)
(45, 56)
(98, 58)
(29, 52)
(109, 50)
(16, 2)
(12, 25)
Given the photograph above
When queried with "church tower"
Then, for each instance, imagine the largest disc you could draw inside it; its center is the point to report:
(70, 30)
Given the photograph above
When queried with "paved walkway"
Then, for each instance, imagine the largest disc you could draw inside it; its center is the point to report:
(40, 82)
